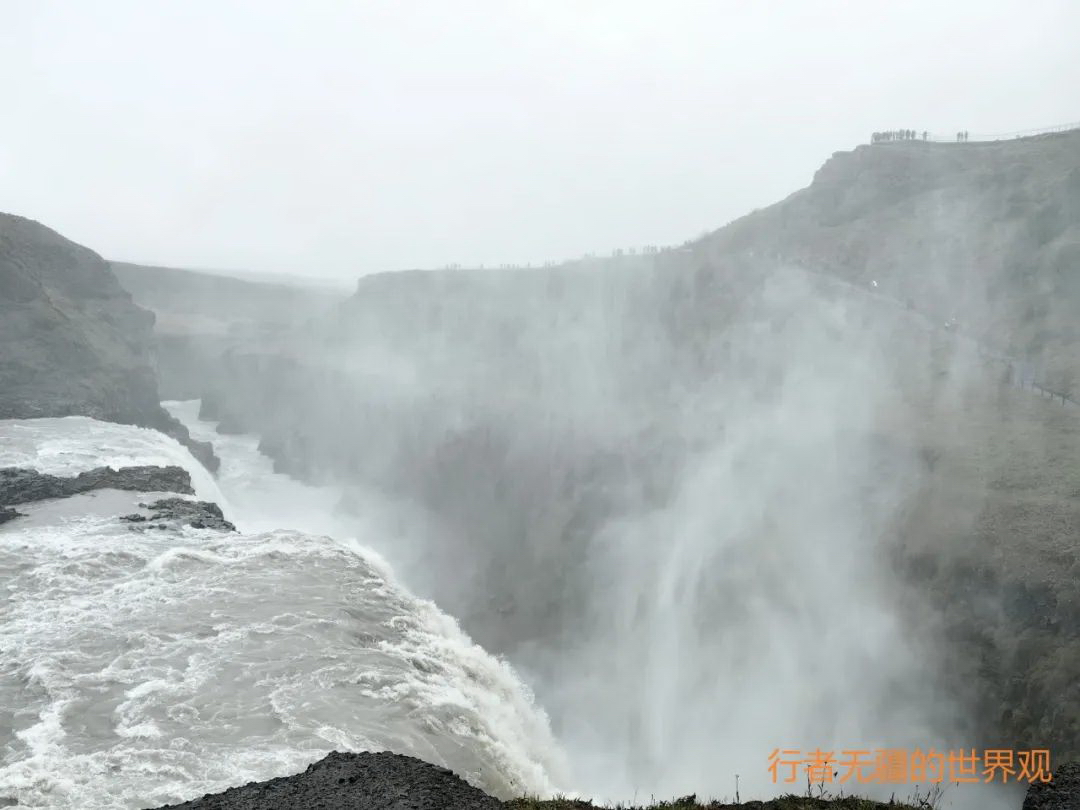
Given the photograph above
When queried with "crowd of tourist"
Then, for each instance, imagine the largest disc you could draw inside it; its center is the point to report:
(910, 135)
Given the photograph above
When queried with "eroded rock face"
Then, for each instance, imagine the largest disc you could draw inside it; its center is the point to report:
(1063, 793)
(74, 342)
(367, 781)
(24, 485)
(177, 511)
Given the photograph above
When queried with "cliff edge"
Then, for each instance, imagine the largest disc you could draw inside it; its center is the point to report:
(74, 342)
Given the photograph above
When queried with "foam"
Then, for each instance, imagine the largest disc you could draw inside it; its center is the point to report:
(156, 666)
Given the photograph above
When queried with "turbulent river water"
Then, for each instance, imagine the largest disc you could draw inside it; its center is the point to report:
(139, 668)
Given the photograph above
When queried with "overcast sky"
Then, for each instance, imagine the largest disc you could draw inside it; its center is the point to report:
(334, 138)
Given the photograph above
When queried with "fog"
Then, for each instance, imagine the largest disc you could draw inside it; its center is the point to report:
(738, 592)
(680, 492)
(346, 138)
(684, 492)
(675, 501)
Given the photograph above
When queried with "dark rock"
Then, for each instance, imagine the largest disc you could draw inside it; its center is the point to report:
(1061, 794)
(8, 514)
(367, 781)
(202, 451)
(209, 410)
(74, 342)
(229, 425)
(197, 514)
(24, 485)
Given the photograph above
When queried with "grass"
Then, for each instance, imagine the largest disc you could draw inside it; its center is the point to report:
(791, 802)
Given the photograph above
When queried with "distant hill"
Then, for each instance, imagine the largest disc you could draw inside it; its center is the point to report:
(199, 316)
(192, 300)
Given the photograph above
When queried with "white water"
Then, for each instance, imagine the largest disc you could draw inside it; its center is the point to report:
(139, 668)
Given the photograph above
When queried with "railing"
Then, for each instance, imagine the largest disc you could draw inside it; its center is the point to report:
(1064, 399)
(974, 137)
(1021, 374)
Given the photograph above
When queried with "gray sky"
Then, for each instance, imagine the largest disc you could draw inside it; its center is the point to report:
(334, 138)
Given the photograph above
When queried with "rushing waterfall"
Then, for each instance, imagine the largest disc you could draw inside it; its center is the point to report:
(146, 667)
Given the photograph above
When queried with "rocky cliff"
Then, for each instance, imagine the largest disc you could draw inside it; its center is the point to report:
(986, 235)
(521, 415)
(73, 341)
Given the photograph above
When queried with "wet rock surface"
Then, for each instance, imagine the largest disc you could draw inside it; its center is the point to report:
(1063, 793)
(7, 514)
(366, 781)
(177, 511)
(25, 485)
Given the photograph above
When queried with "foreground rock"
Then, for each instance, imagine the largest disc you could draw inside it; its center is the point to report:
(381, 781)
(386, 781)
(25, 485)
(1061, 794)
(177, 511)
(74, 343)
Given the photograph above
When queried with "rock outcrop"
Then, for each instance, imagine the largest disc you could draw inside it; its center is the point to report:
(25, 485)
(74, 343)
(988, 235)
(367, 781)
(171, 512)
(1063, 793)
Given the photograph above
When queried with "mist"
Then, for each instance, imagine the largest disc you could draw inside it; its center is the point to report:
(688, 494)
(632, 406)
(749, 601)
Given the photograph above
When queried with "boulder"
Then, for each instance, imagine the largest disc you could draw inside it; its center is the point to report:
(177, 511)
